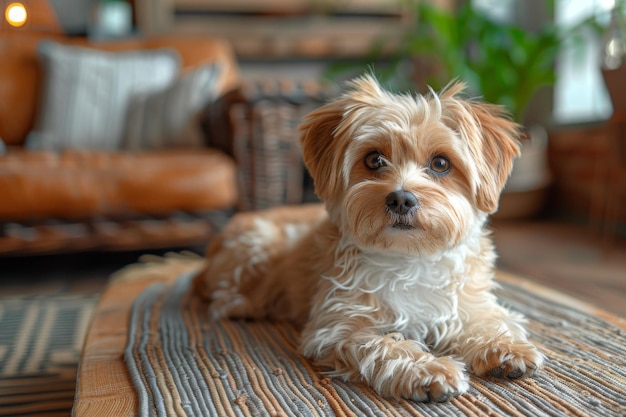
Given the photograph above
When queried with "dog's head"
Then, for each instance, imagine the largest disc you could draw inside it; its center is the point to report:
(408, 173)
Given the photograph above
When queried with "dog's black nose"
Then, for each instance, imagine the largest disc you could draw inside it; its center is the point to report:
(401, 201)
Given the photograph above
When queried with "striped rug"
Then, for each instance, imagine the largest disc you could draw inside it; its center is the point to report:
(183, 364)
(41, 339)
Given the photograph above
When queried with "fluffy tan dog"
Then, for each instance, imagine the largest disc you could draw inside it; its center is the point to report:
(392, 280)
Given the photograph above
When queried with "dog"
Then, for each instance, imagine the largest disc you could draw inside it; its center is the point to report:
(391, 278)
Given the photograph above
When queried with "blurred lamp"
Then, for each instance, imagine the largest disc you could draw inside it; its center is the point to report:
(112, 18)
(16, 14)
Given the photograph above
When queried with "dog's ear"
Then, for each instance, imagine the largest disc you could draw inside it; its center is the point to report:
(326, 133)
(319, 148)
(493, 139)
(499, 146)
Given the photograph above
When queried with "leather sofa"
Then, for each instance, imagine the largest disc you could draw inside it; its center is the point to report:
(89, 189)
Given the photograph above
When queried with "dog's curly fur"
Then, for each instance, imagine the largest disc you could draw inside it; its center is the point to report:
(392, 279)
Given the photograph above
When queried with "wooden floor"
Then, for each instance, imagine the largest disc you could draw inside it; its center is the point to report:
(565, 257)
(571, 259)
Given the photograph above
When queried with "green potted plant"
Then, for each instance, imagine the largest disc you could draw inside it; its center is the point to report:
(500, 61)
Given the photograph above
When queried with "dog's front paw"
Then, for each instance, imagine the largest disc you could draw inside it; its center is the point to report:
(505, 359)
(399, 368)
(439, 380)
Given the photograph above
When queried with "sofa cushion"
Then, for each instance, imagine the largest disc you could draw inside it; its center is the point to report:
(21, 75)
(86, 93)
(169, 118)
(81, 184)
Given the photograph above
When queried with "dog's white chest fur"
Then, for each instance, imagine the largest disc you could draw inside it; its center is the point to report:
(417, 295)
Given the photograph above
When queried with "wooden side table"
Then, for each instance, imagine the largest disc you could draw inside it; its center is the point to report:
(610, 181)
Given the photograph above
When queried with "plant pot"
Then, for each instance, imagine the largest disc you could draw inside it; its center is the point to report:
(527, 188)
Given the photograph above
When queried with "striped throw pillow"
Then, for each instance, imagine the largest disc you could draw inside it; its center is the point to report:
(170, 118)
(86, 93)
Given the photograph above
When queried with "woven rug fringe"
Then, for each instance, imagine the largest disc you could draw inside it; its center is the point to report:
(159, 267)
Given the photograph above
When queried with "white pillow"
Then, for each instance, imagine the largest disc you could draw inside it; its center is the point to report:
(169, 118)
(86, 93)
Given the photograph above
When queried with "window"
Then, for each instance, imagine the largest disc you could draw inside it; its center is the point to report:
(580, 94)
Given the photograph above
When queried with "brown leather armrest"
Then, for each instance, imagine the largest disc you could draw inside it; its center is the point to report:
(80, 184)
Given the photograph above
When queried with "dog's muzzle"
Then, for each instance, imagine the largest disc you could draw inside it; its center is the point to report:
(401, 205)
(401, 202)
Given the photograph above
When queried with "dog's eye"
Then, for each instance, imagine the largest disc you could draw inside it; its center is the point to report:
(374, 160)
(439, 165)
